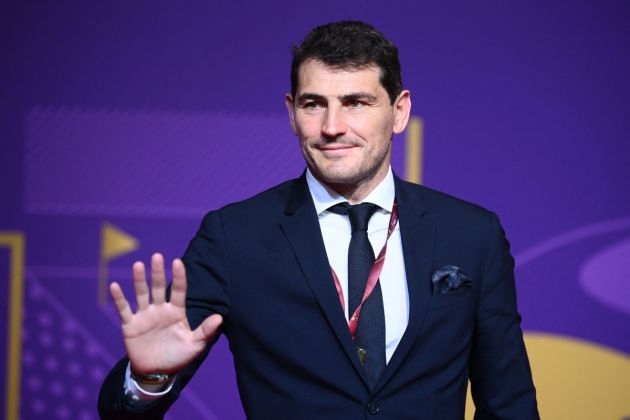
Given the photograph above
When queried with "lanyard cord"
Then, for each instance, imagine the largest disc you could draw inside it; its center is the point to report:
(375, 273)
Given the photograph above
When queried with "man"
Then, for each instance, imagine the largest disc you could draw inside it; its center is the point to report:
(317, 327)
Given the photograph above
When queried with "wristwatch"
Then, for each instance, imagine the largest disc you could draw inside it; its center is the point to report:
(153, 382)
(140, 388)
(152, 379)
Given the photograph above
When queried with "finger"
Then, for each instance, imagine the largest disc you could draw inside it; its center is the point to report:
(208, 328)
(124, 310)
(158, 279)
(140, 285)
(178, 287)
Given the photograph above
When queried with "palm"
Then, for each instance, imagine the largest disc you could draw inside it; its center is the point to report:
(158, 338)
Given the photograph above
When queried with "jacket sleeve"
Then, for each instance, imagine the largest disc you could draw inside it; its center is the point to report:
(501, 380)
(207, 293)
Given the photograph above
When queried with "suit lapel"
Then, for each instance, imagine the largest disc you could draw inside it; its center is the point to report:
(301, 227)
(417, 235)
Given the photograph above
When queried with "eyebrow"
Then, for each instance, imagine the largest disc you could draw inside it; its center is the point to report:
(343, 98)
(310, 96)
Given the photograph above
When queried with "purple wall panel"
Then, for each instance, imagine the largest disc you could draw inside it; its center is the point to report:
(163, 164)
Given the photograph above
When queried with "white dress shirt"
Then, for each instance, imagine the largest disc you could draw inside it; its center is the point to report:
(337, 232)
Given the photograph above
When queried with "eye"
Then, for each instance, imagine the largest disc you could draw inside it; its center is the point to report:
(311, 105)
(354, 104)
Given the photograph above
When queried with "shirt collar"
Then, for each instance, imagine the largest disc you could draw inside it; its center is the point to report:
(324, 197)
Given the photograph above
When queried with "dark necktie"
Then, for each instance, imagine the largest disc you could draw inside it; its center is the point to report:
(370, 335)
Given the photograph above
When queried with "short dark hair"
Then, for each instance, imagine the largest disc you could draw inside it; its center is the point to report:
(350, 45)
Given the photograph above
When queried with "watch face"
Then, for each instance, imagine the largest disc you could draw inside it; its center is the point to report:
(155, 378)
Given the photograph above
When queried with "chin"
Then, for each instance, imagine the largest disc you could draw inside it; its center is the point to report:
(342, 176)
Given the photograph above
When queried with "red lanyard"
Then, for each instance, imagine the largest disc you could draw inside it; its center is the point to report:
(375, 273)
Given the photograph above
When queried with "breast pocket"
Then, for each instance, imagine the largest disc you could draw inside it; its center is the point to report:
(454, 297)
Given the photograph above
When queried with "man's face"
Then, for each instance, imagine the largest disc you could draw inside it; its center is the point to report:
(345, 122)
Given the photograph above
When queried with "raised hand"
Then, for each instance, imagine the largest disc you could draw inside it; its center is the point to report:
(158, 338)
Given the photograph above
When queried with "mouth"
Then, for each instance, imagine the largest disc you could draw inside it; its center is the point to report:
(335, 150)
(335, 147)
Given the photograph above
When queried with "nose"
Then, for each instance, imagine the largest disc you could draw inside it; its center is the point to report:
(333, 124)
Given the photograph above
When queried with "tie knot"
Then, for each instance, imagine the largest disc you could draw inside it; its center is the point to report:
(359, 214)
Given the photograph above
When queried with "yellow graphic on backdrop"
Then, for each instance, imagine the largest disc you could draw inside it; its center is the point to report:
(15, 242)
(414, 147)
(576, 379)
(114, 243)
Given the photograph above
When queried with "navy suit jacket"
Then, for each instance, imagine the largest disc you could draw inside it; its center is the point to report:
(262, 264)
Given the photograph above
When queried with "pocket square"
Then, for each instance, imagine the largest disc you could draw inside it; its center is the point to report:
(449, 278)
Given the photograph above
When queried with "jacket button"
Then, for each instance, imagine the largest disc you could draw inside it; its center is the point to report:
(373, 408)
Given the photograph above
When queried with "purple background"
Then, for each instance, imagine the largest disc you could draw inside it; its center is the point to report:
(147, 114)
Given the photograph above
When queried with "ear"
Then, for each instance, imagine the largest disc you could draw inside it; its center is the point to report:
(288, 102)
(402, 109)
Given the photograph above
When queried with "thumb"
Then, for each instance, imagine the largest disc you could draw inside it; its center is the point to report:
(208, 328)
